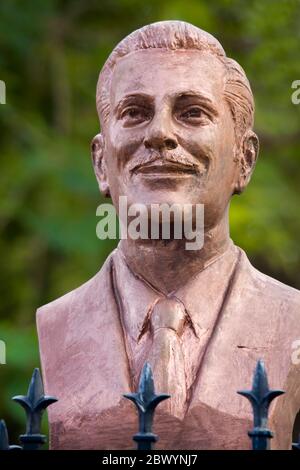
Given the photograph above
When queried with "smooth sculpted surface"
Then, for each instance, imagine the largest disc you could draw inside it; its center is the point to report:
(176, 121)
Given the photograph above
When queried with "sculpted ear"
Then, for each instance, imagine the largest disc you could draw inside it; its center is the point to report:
(97, 149)
(248, 153)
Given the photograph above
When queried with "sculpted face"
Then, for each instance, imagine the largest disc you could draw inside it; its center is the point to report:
(170, 137)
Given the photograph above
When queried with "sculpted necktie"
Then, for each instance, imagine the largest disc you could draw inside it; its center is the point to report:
(166, 356)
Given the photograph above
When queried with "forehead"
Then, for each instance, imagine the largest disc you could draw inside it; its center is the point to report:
(158, 72)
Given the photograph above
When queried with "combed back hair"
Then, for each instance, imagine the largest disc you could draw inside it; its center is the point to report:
(175, 35)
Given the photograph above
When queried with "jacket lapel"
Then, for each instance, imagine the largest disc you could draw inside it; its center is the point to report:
(89, 370)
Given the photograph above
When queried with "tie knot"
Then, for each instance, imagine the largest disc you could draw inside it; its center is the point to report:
(168, 313)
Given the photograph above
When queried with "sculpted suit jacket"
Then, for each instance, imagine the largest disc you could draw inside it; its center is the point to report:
(86, 366)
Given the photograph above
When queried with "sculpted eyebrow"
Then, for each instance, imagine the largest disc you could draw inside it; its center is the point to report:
(203, 99)
(138, 98)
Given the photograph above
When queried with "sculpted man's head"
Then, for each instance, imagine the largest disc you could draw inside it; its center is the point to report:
(176, 117)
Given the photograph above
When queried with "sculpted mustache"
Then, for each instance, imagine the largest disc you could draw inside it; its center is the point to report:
(170, 158)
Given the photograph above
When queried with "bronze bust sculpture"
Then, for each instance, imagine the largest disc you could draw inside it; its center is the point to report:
(176, 116)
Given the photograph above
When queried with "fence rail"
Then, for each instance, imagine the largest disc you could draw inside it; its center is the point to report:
(145, 400)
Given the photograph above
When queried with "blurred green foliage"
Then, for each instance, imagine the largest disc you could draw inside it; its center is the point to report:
(50, 56)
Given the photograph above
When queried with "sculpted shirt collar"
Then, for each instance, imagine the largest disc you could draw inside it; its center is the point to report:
(203, 297)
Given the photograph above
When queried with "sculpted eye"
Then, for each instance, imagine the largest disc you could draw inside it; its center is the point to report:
(192, 113)
(135, 114)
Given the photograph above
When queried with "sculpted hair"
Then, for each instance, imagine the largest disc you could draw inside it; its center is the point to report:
(175, 35)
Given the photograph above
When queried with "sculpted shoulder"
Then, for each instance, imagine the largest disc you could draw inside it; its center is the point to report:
(276, 289)
(83, 298)
(269, 296)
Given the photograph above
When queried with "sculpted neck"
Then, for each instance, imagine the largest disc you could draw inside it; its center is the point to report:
(166, 264)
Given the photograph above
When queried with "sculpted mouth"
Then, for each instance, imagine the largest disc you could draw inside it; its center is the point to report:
(163, 169)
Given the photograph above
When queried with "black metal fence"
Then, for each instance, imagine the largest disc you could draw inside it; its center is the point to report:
(146, 401)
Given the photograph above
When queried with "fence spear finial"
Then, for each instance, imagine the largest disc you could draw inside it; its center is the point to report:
(296, 445)
(4, 442)
(146, 402)
(34, 404)
(260, 398)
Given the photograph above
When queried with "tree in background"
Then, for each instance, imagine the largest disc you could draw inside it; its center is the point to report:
(50, 57)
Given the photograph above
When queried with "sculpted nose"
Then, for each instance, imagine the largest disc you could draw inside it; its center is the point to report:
(159, 143)
(159, 136)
